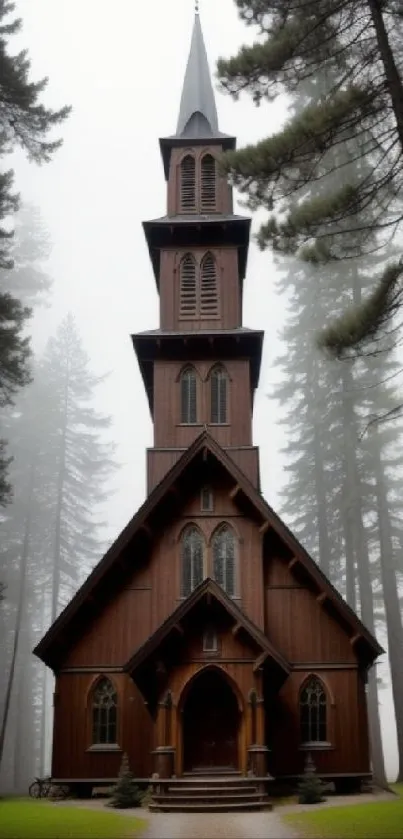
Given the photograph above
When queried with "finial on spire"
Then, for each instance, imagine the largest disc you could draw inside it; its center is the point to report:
(197, 8)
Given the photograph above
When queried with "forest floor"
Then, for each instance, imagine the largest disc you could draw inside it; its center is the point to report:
(25, 819)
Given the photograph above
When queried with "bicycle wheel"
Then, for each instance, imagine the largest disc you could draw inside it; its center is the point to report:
(35, 790)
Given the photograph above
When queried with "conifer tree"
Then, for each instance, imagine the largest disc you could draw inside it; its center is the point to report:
(350, 50)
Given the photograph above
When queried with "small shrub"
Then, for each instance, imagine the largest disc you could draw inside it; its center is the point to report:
(310, 788)
(146, 797)
(125, 794)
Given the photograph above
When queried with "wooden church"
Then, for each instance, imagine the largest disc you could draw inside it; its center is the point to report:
(206, 644)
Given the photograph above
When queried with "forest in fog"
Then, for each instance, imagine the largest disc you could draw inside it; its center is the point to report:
(339, 416)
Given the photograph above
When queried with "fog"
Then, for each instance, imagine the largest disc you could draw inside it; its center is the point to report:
(121, 68)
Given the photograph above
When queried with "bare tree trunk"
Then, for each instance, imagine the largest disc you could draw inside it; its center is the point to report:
(391, 598)
(354, 513)
(393, 80)
(20, 609)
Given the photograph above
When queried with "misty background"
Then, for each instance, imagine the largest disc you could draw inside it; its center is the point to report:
(122, 70)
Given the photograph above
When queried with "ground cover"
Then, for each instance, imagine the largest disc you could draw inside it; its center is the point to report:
(26, 819)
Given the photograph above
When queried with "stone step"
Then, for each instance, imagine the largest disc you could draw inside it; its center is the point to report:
(190, 798)
(205, 807)
(223, 788)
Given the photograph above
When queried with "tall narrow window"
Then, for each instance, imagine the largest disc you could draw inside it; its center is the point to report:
(206, 500)
(192, 560)
(104, 713)
(312, 707)
(224, 558)
(188, 184)
(208, 184)
(210, 640)
(219, 396)
(188, 289)
(208, 287)
(189, 396)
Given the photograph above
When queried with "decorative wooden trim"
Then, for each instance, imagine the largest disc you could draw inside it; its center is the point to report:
(234, 492)
(264, 528)
(321, 598)
(179, 628)
(292, 563)
(98, 669)
(259, 661)
(235, 629)
(315, 665)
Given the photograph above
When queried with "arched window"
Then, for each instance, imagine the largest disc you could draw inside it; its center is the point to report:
(188, 184)
(312, 708)
(208, 287)
(104, 713)
(219, 396)
(224, 555)
(189, 396)
(188, 287)
(208, 184)
(192, 559)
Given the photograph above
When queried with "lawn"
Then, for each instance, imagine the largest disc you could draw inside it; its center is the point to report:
(26, 819)
(378, 820)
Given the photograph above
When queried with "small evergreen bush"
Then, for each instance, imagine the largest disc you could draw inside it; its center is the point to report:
(310, 788)
(125, 794)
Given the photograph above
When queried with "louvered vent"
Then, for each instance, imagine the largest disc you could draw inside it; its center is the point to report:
(188, 184)
(219, 396)
(208, 184)
(188, 292)
(189, 397)
(208, 287)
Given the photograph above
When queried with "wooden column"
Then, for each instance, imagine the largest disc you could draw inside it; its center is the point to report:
(257, 750)
(164, 753)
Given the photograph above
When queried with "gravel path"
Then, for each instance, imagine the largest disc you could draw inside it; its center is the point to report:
(263, 825)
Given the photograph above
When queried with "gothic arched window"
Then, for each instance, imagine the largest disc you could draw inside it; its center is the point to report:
(188, 286)
(104, 712)
(208, 181)
(224, 558)
(192, 550)
(219, 396)
(208, 286)
(188, 383)
(188, 184)
(313, 711)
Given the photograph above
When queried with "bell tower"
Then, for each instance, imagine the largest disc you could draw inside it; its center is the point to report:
(201, 366)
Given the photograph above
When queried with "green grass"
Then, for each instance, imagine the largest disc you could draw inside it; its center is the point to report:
(22, 819)
(398, 789)
(378, 820)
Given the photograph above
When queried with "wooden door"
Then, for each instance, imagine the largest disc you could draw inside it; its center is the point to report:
(210, 724)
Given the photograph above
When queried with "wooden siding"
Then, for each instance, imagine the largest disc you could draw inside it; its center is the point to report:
(297, 623)
(72, 729)
(348, 752)
(168, 430)
(229, 290)
(224, 192)
(160, 461)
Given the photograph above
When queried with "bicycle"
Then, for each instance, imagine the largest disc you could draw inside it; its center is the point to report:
(40, 788)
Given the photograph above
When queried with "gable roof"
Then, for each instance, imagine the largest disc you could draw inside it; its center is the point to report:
(49, 647)
(207, 588)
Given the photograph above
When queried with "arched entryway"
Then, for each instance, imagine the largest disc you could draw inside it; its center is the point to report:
(211, 719)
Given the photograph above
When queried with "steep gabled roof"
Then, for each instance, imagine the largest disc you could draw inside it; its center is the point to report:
(208, 588)
(48, 648)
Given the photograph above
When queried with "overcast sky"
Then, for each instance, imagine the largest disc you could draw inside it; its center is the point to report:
(121, 67)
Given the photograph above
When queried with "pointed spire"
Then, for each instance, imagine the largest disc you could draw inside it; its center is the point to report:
(198, 112)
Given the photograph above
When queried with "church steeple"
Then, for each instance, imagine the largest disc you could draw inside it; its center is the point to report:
(198, 112)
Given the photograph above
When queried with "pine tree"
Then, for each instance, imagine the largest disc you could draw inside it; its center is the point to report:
(350, 51)
(125, 794)
(25, 123)
(52, 534)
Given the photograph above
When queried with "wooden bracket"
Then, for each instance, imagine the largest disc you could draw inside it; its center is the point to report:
(259, 662)
(355, 638)
(235, 629)
(234, 492)
(179, 628)
(145, 527)
(205, 453)
(292, 563)
(321, 598)
(264, 528)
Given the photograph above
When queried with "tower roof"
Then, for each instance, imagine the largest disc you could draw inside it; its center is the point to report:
(198, 112)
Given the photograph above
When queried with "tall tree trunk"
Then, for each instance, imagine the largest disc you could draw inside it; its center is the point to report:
(57, 560)
(391, 598)
(354, 513)
(20, 608)
(392, 76)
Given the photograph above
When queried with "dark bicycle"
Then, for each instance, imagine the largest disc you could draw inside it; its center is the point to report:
(40, 788)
